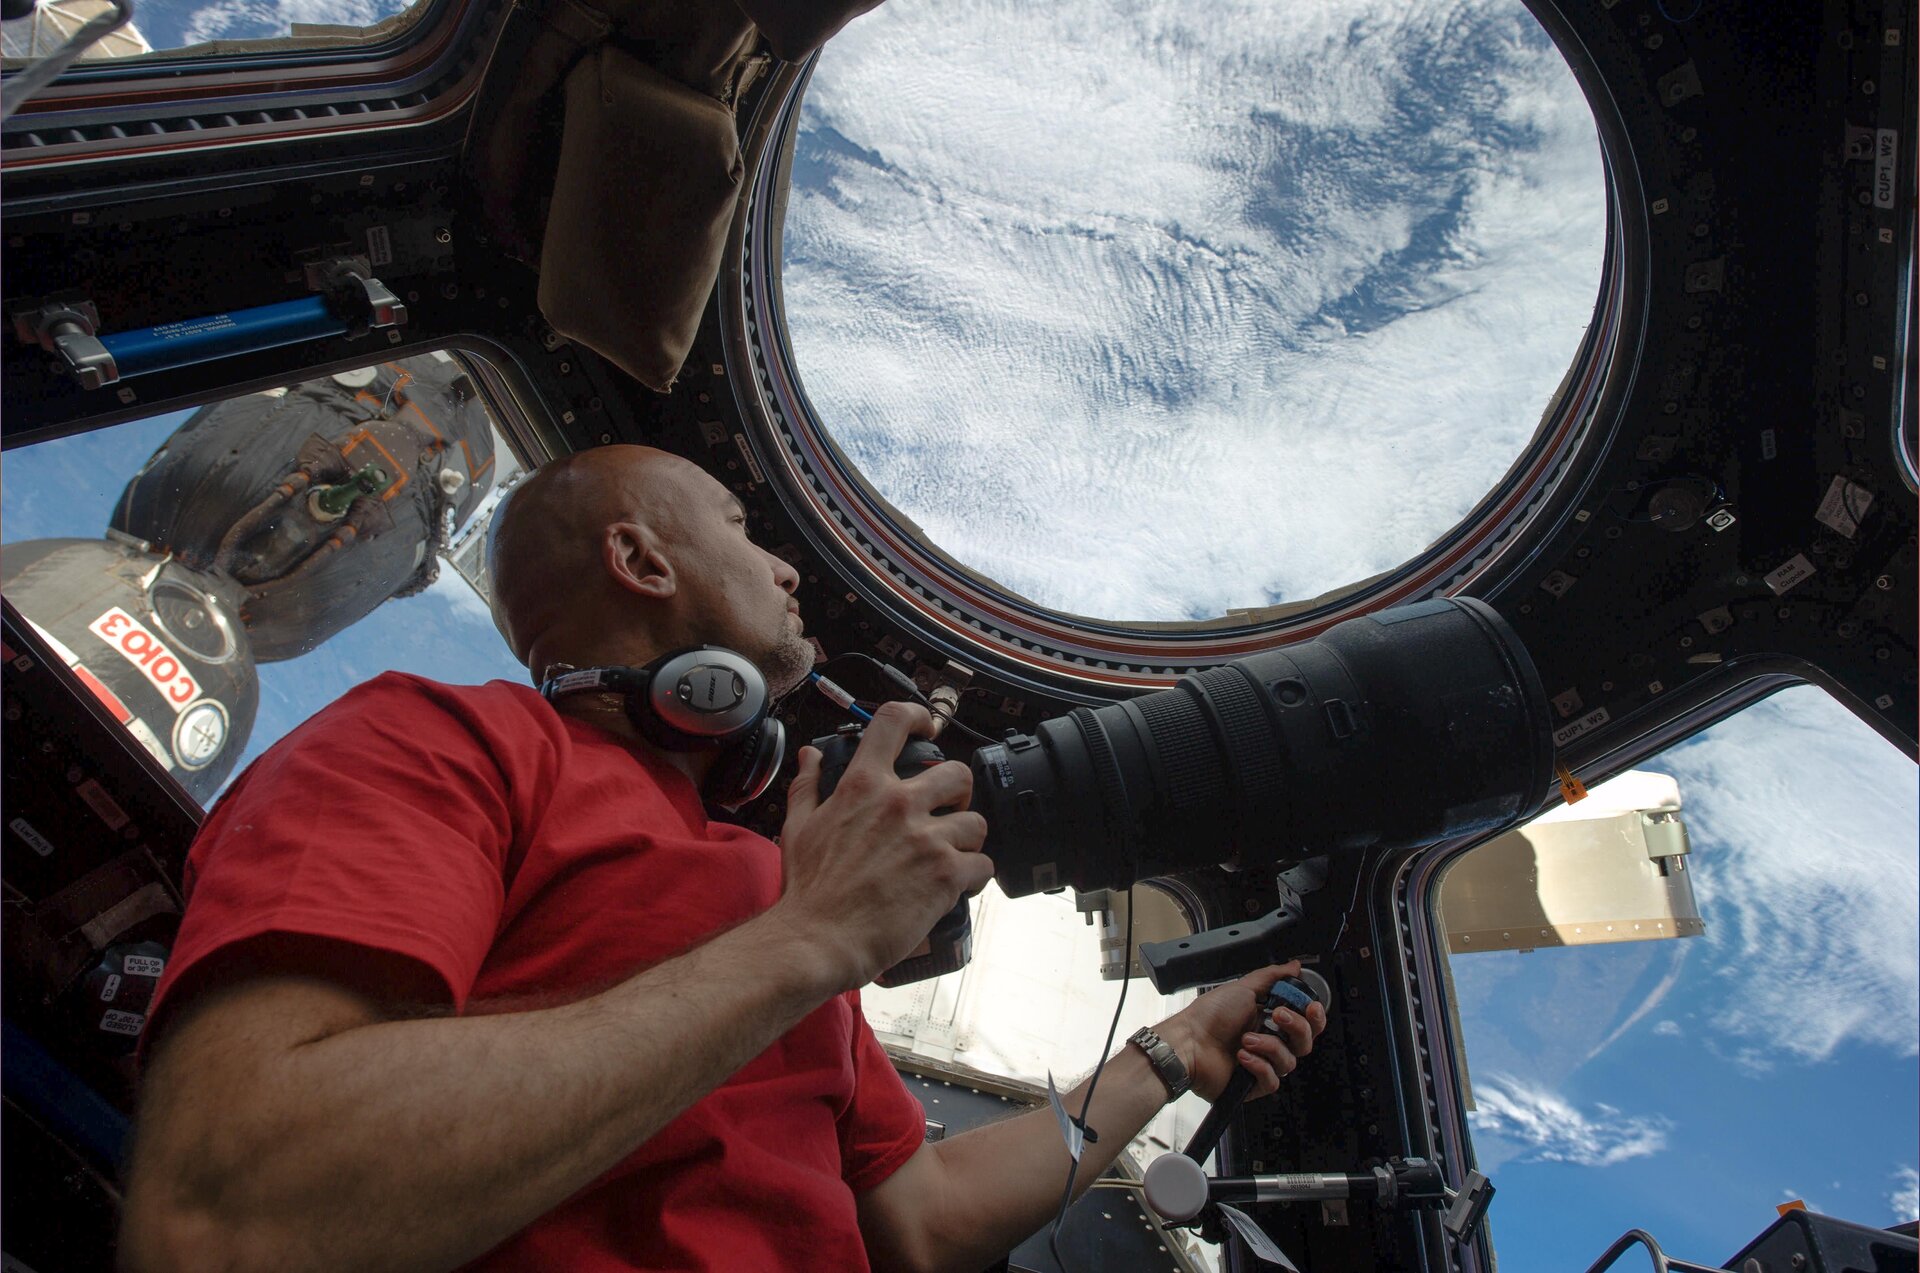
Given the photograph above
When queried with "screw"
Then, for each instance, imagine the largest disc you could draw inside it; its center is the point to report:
(606, 437)
(565, 369)
(449, 290)
(1253, 906)
(443, 235)
(1883, 583)
(593, 404)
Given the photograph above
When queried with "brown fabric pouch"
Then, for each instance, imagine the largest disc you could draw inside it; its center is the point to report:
(648, 180)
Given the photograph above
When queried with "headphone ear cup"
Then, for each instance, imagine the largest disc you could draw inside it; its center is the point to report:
(703, 699)
(744, 771)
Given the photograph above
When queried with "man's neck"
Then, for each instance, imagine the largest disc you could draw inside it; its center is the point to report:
(609, 712)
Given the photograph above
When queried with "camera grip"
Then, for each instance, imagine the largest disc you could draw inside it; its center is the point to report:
(950, 945)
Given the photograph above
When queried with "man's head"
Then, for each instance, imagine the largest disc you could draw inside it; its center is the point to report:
(619, 554)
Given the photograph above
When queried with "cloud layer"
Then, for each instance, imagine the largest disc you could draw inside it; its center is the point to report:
(1802, 821)
(1235, 304)
(1905, 1196)
(1548, 1128)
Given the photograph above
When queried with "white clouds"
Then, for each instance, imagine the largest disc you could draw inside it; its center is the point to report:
(1904, 1198)
(1802, 822)
(1548, 1128)
(256, 19)
(1668, 1029)
(1241, 305)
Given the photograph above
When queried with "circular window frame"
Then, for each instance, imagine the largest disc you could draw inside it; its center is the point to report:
(893, 567)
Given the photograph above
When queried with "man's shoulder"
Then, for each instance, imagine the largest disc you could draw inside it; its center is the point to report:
(417, 710)
(392, 688)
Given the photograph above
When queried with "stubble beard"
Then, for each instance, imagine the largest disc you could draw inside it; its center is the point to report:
(787, 661)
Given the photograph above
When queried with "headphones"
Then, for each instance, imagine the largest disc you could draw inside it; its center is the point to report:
(702, 699)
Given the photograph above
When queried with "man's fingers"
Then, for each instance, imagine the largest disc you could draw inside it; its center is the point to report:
(1261, 980)
(1267, 1060)
(803, 794)
(975, 870)
(965, 830)
(945, 786)
(1296, 1029)
(893, 723)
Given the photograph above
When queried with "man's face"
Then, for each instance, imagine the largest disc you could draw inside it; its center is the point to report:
(733, 592)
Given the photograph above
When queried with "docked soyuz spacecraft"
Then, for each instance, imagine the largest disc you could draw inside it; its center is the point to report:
(261, 527)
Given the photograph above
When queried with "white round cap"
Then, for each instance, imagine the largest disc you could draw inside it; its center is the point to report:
(1176, 1187)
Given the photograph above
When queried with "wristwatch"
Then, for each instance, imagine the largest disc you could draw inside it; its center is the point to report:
(1166, 1064)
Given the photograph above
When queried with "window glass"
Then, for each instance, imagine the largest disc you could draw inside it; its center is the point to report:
(217, 576)
(167, 27)
(1687, 1085)
(1245, 302)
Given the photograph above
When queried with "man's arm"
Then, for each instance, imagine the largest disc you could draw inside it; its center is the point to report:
(959, 1204)
(290, 1124)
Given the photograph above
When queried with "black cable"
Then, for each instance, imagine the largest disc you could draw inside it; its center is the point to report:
(1073, 1163)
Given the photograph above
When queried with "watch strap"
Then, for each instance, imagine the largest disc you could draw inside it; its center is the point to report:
(1166, 1063)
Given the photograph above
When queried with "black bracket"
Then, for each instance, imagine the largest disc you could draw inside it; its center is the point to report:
(1221, 954)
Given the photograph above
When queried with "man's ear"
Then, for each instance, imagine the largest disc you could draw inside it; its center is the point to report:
(633, 558)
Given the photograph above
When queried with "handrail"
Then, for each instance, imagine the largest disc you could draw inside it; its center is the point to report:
(1662, 1263)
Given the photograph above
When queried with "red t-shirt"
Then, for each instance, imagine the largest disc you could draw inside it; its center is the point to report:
(519, 853)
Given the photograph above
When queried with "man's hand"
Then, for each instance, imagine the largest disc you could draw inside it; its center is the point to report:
(870, 871)
(1220, 1030)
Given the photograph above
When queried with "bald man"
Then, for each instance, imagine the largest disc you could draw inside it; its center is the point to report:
(467, 978)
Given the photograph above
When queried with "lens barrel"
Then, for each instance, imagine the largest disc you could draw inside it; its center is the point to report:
(1403, 727)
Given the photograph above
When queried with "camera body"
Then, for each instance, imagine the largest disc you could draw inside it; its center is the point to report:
(950, 945)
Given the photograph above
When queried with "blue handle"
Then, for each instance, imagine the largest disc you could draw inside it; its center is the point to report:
(243, 331)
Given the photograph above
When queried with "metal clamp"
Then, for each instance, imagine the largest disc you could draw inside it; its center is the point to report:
(67, 325)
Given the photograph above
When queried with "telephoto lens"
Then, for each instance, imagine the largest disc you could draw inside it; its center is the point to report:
(1407, 726)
